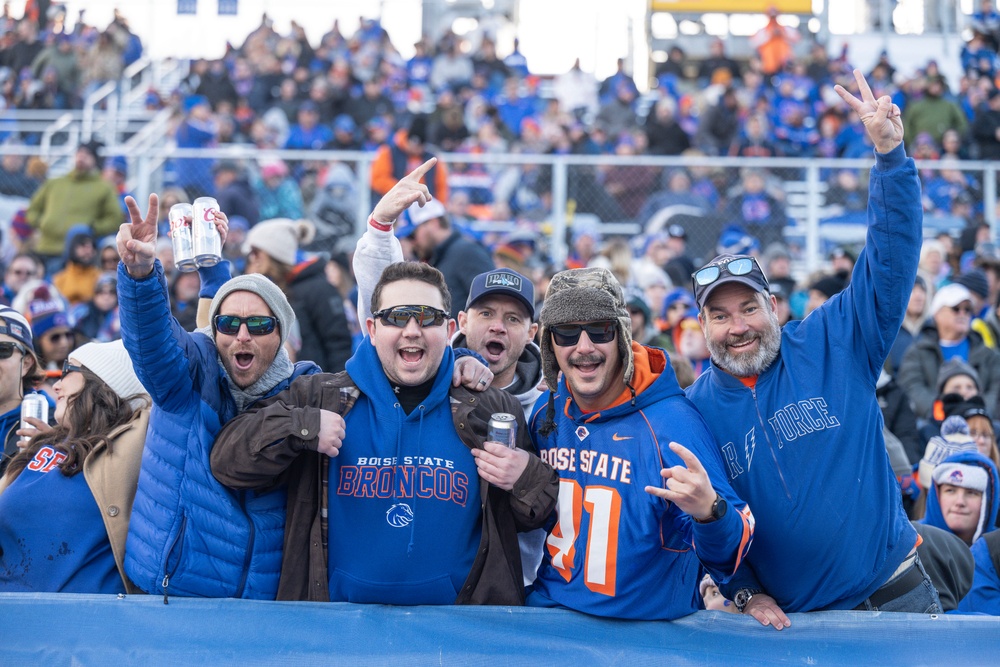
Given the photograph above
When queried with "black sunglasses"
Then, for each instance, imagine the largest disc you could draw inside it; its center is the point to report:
(399, 316)
(70, 368)
(961, 308)
(565, 335)
(257, 325)
(740, 266)
(7, 350)
(68, 335)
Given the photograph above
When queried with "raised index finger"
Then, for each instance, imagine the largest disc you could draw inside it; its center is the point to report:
(690, 460)
(851, 100)
(420, 171)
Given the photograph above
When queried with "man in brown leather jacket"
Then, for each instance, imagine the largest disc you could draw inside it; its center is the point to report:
(383, 450)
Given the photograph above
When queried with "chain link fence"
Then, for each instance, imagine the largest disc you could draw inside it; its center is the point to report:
(719, 203)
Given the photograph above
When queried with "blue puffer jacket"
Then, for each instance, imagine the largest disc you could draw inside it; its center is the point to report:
(189, 535)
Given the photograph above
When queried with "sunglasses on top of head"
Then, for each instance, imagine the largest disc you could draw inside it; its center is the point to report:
(7, 350)
(399, 316)
(565, 335)
(739, 266)
(257, 325)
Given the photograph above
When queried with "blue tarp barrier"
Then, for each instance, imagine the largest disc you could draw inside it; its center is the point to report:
(52, 629)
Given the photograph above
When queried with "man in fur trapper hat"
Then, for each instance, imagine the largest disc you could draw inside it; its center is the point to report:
(616, 428)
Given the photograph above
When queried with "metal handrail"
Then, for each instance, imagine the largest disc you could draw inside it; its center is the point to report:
(90, 104)
(45, 143)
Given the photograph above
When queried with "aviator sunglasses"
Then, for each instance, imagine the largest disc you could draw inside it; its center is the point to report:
(257, 325)
(740, 266)
(399, 316)
(565, 335)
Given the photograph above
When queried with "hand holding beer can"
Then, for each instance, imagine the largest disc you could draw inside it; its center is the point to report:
(33, 405)
(503, 429)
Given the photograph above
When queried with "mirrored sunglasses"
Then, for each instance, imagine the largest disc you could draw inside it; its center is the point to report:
(740, 266)
(257, 325)
(399, 316)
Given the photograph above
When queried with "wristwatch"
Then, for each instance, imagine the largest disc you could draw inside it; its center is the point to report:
(743, 597)
(719, 508)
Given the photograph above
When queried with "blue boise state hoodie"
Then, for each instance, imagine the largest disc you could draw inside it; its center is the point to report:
(404, 502)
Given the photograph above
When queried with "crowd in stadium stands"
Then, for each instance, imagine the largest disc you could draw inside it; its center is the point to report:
(280, 91)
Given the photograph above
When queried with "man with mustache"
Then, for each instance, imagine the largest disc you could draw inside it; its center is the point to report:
(643, 495)
(795, 415)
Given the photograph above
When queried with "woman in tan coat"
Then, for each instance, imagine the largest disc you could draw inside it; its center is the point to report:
(61, 531)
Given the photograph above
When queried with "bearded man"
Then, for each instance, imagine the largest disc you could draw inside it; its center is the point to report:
(795, 414)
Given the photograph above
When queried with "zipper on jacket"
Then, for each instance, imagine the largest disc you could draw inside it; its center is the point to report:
(770, 447)
(250, 541)
(167, 571)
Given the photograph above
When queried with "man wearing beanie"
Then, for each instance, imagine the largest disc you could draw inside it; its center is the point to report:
(946, 335)
(617, 428)
(79, 197)
(794, 411)
(198, 381)
(419, 506)
(21, 373)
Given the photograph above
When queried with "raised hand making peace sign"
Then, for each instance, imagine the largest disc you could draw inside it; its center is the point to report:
(137, 239)
(881, 118)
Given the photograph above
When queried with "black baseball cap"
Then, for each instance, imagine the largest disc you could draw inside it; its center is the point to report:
(753, 277)
(506, 283)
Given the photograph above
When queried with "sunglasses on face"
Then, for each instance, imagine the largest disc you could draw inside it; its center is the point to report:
(961, 308)
(565, 335)
(26, 273)
(59, 335)
(399, 316)
(257, 325)
(70, 368)
(7, 350)
(740, 266)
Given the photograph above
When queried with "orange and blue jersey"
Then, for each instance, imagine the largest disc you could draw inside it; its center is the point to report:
(615, 550)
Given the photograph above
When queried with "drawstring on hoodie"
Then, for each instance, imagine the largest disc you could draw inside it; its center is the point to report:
(399, 450)
(632, 390)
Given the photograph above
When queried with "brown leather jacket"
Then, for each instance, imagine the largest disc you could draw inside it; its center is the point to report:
(244, 457)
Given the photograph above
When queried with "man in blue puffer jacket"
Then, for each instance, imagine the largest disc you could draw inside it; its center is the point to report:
(189, 535)
(795, 414)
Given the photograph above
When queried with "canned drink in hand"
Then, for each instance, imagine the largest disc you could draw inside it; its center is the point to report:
(33, 405)
(181, 238)
(503, 429)
(207, 242)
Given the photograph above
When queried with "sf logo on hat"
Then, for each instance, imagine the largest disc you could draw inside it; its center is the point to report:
(507, 280)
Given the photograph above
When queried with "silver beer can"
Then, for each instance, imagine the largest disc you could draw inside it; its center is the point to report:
(33, 405)
(207, 242)
(503, 429)
(181, 237)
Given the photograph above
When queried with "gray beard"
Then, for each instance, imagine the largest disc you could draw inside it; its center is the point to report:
(747, 364)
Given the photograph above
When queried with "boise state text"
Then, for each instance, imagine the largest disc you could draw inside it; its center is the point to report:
(413, 477)
(590, 462)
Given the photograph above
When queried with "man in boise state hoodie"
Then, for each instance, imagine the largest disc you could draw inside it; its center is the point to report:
(420, 509)
(795, 414)
(643, 499)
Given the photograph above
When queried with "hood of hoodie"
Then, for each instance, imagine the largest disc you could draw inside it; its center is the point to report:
(991, 501)
(654, 381)
(72, 236)
(365, 369)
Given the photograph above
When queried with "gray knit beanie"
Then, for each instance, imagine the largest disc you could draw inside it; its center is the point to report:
(584, 295)
(953, 367)
(265, 289)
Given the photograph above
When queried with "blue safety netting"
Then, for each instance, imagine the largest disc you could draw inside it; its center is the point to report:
(47, 629)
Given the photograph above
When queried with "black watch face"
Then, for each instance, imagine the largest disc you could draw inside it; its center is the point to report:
(719, 508)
